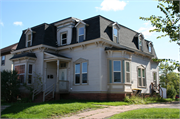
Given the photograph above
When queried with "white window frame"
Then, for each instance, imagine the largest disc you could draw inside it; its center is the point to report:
(30, 74)
(81, 34)
(129, 72)
(64, 38)
(22, 73)
(3, 60)
(27, 39)
(117, 71)
(142, 81)
(81, 61)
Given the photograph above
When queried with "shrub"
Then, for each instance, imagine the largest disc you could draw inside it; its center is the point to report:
(134, 100)
(171, 92)
(9, 85)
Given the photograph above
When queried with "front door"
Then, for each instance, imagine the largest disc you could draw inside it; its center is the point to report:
(63, 74)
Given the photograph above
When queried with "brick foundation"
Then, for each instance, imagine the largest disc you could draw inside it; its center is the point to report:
(95, 96)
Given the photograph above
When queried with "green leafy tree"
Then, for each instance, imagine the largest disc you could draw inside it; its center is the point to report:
(9, 85)
(171, 92)
(168, 25)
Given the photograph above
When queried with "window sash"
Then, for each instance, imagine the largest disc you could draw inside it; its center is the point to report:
(149, 48)
(117, 71)
(3, 60)
(21, 72)
(81, 73)
(81, 31)
(29, 37)
(141, 77)
(63, 40)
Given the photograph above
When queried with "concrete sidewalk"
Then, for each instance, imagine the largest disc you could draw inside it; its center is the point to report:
(112, 110)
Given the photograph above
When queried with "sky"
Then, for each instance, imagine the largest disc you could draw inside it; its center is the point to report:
(18, 15)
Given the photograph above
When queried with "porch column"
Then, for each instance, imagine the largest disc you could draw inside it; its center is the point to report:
(45, 75)
(57, 96)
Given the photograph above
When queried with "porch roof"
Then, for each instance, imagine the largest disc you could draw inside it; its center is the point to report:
(55, 56)
(31, 55)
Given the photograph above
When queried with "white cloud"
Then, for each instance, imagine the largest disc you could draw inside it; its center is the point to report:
(114, 5)
(145, 29)
(18, 23)
(1, 23)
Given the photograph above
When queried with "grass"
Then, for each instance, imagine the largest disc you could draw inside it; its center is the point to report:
(150, 113)
(46, 110)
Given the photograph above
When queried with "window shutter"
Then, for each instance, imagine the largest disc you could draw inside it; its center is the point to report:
(110, 71)
(123, 67)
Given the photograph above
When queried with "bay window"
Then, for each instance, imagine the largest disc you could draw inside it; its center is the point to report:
(127, 75)
(117, 71)
(21, 73)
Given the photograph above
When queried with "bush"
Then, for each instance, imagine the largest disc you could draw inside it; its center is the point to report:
(134, 100)
(9, 85)
(171, 92)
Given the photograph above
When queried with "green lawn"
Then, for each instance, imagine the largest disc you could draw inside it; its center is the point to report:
(150, 113)
(53, 108)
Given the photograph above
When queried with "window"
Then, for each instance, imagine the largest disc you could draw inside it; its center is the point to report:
(63, 38)
(29, 40)
(30, 74)
(84, 72)
(140, 43)
(115, 35)
(81, 73)
(117, 71)
(81, 34)
(141, 77)
(2, 60)
(127, 72)
(77, 74)
(149, 47)
(21, 72)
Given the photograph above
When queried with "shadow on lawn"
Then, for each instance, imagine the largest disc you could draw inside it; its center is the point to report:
(18, 107)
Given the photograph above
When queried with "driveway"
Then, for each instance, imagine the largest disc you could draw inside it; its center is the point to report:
(112, 110)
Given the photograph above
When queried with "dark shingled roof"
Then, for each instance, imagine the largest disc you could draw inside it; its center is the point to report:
(114, 48)
(55, 54)
(98, 27)
(8, 49)
(24, 55)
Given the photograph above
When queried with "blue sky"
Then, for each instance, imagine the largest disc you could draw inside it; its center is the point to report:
(18, 15)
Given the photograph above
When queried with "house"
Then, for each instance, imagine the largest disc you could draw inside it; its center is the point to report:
(95, 58)
(7, 64)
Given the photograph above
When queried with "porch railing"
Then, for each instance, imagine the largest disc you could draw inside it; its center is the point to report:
(37, 91)
(48, 90)
(63, 86)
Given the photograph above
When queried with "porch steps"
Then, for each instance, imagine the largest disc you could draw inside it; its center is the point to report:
(39, 98)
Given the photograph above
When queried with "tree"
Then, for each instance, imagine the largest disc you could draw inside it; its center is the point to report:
(169, 25)
(9, 85)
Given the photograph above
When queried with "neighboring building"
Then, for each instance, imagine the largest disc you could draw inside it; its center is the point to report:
(7, 64)
(95, 58)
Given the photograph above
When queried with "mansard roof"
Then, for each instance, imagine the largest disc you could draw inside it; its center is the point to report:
(98, 27)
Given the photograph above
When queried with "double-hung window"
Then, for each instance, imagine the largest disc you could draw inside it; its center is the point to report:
(29, 40)
(77, 73)
(2, 60)
(63, 38)
(81, 34)
(115, 35)
(141, 77)
(30, 74)
(140, 43)
(155, 78)
(81, 73)
(117, 71)
(21, 73)
(128, 72)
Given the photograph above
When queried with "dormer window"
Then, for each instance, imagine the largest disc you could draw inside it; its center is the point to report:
(63, 38)
(81, 34)
(149, 47)
(140, 41)
(115, 32)
(29, 40)
(29, 35)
